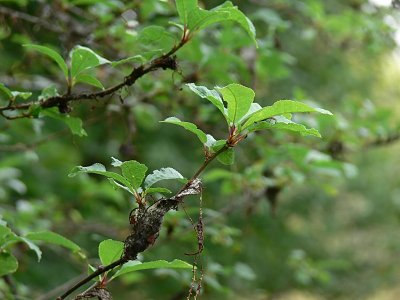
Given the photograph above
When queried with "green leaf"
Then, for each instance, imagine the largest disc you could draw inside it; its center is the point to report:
(110, 251)
(153, 34)
(253, 108)
(281, 107)
(89, 79)
(35, 109)
(157, 190)
(196, 18)
(188, 126)
(52, 54)
(117, 185)
(23, 95)
(4, 231)
(11, 95)
(100, 170)
(184, 7)
(6, 91)
(48, 92)
(83, 58)
(136, 58)
(210, 141)
(227, 157)
(8, 263)
(280, 122)
(217, 145)
(210, 95)
(239, 99)
(200, 18)
(53, 238)
(32, 246)
(134, 172)
(162, 174)
(237, 16)
(135, 265)
(74, 124)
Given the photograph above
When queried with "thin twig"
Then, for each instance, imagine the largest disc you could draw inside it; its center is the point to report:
(169, 204)
(165, 61)
(98, 272)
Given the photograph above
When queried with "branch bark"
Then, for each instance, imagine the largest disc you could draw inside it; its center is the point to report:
(165, 61)
(146, 224)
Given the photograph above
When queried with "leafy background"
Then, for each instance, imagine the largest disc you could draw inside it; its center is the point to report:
(294, 218)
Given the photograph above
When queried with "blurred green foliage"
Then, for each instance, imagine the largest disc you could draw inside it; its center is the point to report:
(294, 218)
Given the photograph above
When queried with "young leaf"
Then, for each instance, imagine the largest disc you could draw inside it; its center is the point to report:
(32, 246)
(281, 107)
(239, 99)
(237, 16)
(135, 265)
(100, 170)
(210, 95)
(280, 122)
(8, 263)
(48, 92)
(188, 126)
(154, 34)
(196, 18)
(53, 238)
(227, 157)
(23, 95)
(184, 7)
(52, 54)
(210, 141)
(6, 91)
(201, 18)
(136, 58)
(162, 174)
(117, 185)
(134, 172)
(74, 124)
(89, 79)
(83, 58)
(158, 190)
(116, 162)
(110, 251)
(217, 145)
(4, 231)
(11, 95)
(253, 108)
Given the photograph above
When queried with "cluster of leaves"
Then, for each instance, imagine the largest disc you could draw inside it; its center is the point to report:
(244, 116)
(110, 251)
(132, 177)
(306, 50)
(8, 238)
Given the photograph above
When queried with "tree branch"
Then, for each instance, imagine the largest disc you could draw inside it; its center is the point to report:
(165, 61)
(146, 224)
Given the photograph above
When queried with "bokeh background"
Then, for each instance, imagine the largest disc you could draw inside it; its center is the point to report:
(294, 218)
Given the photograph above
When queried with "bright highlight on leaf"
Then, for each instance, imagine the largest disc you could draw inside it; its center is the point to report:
(12, 95)
(279, 108)
(53, 238)
(162, 174)
(280, 122)
(188, 126)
